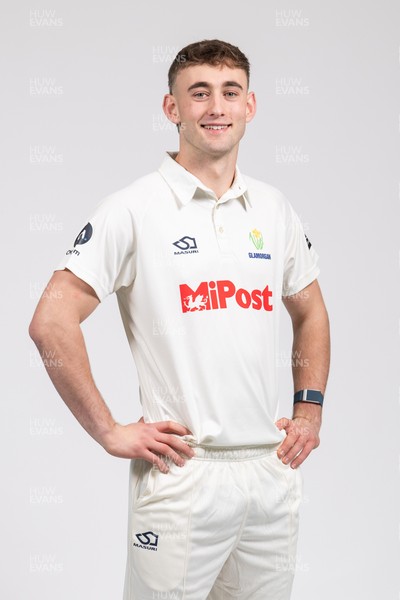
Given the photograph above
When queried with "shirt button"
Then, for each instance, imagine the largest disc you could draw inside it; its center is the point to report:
(221, 229)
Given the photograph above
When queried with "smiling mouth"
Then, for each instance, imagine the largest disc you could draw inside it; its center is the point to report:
(216, 127)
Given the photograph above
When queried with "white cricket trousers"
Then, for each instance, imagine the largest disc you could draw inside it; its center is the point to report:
(222, 527)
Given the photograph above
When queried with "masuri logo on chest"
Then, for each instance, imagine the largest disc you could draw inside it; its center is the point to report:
(213, 295)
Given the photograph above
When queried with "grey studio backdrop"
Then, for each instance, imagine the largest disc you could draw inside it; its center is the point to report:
(82, 117)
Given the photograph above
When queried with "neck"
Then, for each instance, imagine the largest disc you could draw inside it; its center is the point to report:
(217, 173)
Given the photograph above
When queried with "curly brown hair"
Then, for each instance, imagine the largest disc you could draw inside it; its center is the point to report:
(210, 52)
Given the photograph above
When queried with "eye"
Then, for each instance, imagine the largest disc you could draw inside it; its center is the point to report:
(199, 95)
(231, 94)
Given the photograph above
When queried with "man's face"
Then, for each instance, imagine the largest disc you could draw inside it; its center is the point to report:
(212, 105)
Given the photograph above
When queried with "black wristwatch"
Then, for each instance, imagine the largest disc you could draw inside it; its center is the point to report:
(313, 396)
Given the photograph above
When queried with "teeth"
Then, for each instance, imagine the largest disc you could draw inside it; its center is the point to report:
(215, 126)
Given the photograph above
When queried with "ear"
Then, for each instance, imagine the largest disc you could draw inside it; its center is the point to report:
(251, 106)
(170, 108)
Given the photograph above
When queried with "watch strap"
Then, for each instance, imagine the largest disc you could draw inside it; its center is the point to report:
(314, 396)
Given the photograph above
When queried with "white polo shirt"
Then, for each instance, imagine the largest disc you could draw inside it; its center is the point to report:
(199, 283)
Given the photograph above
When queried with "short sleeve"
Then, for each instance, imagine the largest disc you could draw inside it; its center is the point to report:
(104, 252)
(300, 266)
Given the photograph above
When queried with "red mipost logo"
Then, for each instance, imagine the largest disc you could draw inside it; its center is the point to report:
(212, 295)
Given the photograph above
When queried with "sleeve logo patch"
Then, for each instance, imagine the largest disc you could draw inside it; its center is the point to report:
(84, 235)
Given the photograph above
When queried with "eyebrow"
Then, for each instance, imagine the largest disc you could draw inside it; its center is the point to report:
(208, 85)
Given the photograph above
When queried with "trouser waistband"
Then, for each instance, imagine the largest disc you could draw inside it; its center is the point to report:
(232, 452)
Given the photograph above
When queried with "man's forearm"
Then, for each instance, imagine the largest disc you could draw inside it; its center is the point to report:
(63, 351)
(310, 360)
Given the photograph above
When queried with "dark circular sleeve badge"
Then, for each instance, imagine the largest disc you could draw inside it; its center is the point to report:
(84, 235)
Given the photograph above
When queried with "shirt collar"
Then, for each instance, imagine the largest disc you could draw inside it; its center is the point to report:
(184, 184)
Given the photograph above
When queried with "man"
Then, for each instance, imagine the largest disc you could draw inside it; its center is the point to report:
(200, 257)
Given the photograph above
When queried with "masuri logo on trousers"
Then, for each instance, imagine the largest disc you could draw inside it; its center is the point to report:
(212, 295)
(148, 540)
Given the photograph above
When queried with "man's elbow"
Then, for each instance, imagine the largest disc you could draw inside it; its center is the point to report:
(43, 328)
(38, 329)
(316, 316)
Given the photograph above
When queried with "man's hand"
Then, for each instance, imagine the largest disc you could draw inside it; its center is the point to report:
(302, 437)
(149, 441)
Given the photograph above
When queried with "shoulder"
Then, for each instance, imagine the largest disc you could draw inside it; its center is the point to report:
(135, 194)
(262, 193)
(130, 204)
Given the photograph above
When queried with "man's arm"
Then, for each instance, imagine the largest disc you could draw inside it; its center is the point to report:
(55, 329)
(310, 367)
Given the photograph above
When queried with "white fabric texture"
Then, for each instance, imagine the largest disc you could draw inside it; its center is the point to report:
(216, 529)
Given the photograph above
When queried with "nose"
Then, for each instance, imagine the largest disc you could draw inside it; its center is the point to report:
(215, 108)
